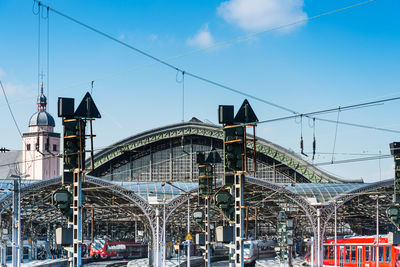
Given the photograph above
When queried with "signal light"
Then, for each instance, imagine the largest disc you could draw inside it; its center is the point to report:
(198, 216)
(63, 201)
(234, 148)
(225, 201)
(74, 144)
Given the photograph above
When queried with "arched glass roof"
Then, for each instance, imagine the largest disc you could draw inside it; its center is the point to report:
(322, 193)
(158, 192)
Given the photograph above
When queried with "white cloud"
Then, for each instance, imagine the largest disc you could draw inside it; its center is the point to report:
(261, 14)
(203, 38)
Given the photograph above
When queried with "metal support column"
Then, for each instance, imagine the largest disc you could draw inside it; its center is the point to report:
(164, 241)
(318, 246)
(2, 245)
(232, 249)
(77, 218)
(239, 219)
(16, 234)
(335, 234)
(188, 230)
(377, 231)
(157, 261)
(207, 232)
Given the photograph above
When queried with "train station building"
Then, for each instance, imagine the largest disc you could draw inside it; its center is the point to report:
(145, 186)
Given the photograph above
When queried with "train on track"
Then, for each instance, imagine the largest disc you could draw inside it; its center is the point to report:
(103, 249)
(359, 251)
(256, 249)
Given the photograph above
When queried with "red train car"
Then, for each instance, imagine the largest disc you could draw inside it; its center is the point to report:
(361, 251)
(117, 249)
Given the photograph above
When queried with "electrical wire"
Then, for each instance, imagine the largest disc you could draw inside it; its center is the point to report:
(158, 60)
(229, 42)
(9, 108)
(342, 108)
(39, 4)
(48, 59)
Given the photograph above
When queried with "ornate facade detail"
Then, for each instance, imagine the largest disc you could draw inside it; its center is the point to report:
(269, 149)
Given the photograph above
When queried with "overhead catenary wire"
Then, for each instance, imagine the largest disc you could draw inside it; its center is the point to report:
(164, 62)
(48, 58)
(38, 69)
(9, 108)
(235, 40)
(193, 75)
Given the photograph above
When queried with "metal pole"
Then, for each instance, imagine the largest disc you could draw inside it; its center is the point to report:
(14, 226)
(312, 251)
(164, 243)
(319, 237)
(136, 232)
(232, 249)
(377, 231)
(157, 236)
(239, 216)
(77, 218)
(207, 232)
(188, 229)
(19, 223)
(335, 235)
(92, 226)
(3, 259)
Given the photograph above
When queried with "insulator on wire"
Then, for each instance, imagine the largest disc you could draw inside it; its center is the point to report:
(302, 147)
(314, 146)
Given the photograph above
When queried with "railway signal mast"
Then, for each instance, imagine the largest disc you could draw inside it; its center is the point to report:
(74, 151)
(393, 212)
(206, 189)
(236, 166)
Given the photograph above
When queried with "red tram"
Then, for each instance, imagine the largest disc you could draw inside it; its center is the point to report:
(117, 249)
(361, 251)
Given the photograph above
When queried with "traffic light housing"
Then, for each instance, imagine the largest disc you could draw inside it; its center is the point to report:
(74, 144)
(63, 201)
(234, 147)
(198, 216)
(225, 201)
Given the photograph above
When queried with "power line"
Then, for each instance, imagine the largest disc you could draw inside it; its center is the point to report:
(158, 60)
(9, 108)
(193, 75)
(235, 40)
(341, 108)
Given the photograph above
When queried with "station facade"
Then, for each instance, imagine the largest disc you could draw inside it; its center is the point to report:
(127, 193)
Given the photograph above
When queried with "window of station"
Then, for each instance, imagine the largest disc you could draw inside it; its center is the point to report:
(353, 254)
(28, 147)
(380, 254)
(387, 253)
(347, 256)
(367, 253)
(54, 147)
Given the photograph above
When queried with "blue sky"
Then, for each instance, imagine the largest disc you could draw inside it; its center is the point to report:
(344, 58)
